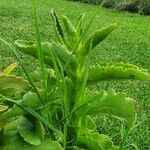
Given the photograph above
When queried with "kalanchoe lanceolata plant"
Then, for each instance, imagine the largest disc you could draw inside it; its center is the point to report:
(62, 110)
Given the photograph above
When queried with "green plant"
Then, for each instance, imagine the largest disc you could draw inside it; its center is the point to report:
(59, 104)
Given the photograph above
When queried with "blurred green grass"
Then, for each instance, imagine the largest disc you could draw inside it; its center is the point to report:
(129, 43)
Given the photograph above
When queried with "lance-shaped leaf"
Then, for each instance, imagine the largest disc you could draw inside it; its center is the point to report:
(78, 25)
(10, 85)
(62, 53)
(59, 30)
(109, 71)
(71, 30)
(96, 39)
(10, 69)
(95, 141)
(111, 103)
(57, 26)
(31, 130)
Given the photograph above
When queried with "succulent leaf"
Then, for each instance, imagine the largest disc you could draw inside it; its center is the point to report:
(78, 24)
(72, 33)
(96, 39)
(62, 53)
(57, 26)
(109, 71)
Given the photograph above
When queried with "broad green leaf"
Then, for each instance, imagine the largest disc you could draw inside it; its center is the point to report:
(95, 141)
(114, 104)
(116, 71)
(10, 85)
(31, 130)
(10, 69)
(12, 142)
(96, 39)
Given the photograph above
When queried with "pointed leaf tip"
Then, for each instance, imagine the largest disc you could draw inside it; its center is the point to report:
(96, 39)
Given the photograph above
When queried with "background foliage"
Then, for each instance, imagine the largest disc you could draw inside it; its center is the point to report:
(137, 6)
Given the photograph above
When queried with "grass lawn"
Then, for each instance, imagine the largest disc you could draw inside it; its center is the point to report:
(129, 43)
